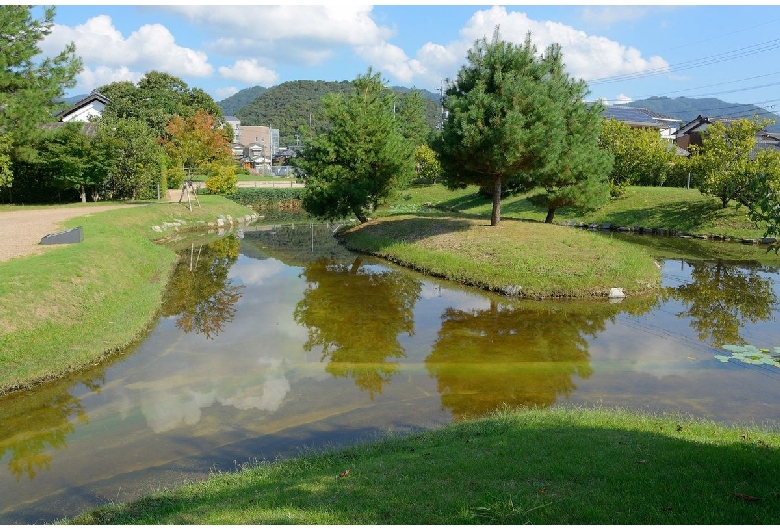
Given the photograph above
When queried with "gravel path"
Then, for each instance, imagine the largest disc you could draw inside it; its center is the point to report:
(21, 230)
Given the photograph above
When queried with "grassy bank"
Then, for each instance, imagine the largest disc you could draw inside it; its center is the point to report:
(684, 210)
(532, 260)
(74, 304)
(555, 466)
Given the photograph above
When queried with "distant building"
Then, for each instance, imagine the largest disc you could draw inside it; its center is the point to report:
(690, 133)
(641, 118)
(91, 106)
(235, 123)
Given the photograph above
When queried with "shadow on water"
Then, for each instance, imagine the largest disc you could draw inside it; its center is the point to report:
(278, 338)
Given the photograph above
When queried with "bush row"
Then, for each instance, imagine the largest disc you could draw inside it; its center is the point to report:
(268, 198)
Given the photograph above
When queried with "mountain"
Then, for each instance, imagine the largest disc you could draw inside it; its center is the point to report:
(687, 109)
(295, 106)
(240, 99)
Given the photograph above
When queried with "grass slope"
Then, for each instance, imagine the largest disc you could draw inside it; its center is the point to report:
(554, 466)
(74, 304)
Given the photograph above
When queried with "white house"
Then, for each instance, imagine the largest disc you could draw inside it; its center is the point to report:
(83, 110)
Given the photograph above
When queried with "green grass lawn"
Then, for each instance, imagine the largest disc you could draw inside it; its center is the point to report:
(556, 466)
(74, 304)
(687, 211)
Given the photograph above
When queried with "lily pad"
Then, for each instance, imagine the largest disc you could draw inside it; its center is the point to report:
(749, 354)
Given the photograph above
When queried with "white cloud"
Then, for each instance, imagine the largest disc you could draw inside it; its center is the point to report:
(586, 56)
(89, 78)
(225, 92)
(305, 35)
(150, 47)
(250, 72)
(622, 99)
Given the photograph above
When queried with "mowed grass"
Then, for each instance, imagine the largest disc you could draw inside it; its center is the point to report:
(683, 210)
(74, 304)
(528, 259)
(556, 466)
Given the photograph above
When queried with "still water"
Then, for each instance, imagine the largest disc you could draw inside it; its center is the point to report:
(277, 339)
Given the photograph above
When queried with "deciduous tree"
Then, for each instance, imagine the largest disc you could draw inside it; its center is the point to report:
(156, 99)
(426, 163)
(70, 153)
(724, 160)
(130, 155)
(361, 158)
(642, 157)
(764, 207)
(197, 143)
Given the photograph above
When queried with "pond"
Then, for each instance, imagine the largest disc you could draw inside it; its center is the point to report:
(276, 339)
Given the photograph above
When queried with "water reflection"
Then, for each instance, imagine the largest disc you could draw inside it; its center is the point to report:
(200, 294)
(285, 339)
(522, 354)
(54, 411)
(354, 315)
(720, 298)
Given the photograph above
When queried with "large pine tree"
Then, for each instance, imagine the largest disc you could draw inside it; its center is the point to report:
(515, 119)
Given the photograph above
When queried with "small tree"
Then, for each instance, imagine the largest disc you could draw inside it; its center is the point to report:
(724, 161)
(764, 207)
(641, 156)
(197, 142)
(69, 153)
(129, 152)
(363, 156)
(427, 164)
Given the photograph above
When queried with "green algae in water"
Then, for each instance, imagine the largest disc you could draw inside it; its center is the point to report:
(751, 355)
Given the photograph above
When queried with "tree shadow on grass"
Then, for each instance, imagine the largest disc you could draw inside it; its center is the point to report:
(679, 215)
(410, 230)
(498, 471)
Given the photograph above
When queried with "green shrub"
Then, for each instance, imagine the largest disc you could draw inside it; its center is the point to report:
(222, 179)
(268, 198)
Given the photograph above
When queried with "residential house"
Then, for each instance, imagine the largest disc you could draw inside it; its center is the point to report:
(90, 107)
(690, 133)
(641, 118)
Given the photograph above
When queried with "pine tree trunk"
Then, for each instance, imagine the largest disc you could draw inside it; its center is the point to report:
(495, 217)
(550, 215)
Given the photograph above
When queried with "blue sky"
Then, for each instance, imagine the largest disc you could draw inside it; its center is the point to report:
(624, 52)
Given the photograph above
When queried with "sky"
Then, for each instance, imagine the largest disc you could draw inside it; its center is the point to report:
(624, 52)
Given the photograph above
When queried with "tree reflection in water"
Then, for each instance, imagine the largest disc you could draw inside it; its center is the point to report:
(200, 293)
(54, 410)
(519, 355)
(355, 314)
(721, 297)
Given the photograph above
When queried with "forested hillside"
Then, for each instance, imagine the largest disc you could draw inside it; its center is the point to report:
(293, 106)
(240, 100)
(686, 109)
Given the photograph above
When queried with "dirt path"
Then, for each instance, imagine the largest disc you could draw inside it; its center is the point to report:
(21, 230)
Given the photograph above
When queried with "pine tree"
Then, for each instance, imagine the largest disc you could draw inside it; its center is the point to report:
(31, 89)
(361, 158)
(516, 120)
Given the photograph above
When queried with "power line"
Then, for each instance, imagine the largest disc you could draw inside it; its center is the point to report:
(710, 86)
(694, 63)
